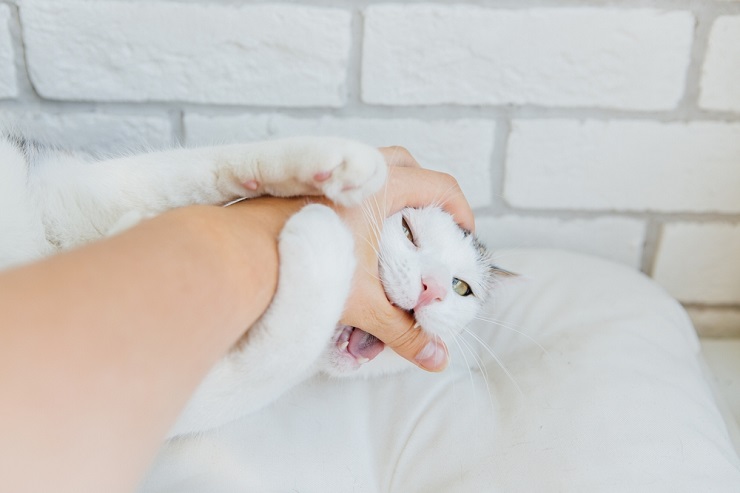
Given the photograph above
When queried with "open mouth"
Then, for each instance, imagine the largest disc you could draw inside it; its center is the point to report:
(361, 345)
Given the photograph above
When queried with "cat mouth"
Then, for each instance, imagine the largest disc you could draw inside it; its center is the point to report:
(360, 345)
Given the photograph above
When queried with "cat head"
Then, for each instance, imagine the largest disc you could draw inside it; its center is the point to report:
(429, 267)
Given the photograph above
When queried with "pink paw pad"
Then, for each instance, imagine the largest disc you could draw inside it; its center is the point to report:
(251, 184)
(323, 176)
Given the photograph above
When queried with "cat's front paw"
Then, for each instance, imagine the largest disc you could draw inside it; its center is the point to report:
(348, 172)
(345, 171)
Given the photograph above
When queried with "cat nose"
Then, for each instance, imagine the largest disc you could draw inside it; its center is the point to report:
(431, 291)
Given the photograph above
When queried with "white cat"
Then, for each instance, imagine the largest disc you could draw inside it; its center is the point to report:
(52, 200)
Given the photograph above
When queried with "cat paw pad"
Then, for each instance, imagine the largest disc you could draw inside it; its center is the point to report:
(251, 184)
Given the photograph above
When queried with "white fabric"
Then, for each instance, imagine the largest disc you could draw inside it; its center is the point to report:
(616, 401)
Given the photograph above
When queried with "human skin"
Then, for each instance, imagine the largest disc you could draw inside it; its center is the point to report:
(102, 346)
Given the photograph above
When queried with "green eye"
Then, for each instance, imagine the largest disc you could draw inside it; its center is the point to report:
(407, 230)
(461, 287)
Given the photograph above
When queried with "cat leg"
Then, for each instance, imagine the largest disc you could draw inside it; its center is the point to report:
(282, 349)
(22, 236)
(94, 195)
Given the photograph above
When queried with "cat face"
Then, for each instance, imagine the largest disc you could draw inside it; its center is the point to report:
(429, 267)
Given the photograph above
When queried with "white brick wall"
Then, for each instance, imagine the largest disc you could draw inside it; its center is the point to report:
(619, 239)
(432, 54)
(721, 71)
(8, 87)
(610, 128)
(624, 165)
(281, 55)
(93, 132)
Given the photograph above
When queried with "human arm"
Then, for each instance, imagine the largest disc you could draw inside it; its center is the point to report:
(100, 347)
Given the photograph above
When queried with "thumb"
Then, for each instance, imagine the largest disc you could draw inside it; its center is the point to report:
(419, 347)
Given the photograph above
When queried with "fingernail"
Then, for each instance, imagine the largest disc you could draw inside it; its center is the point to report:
(433, 357)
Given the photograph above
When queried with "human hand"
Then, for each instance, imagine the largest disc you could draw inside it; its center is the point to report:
(368, 308)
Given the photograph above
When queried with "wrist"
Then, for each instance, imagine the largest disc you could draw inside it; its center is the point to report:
(241, 244)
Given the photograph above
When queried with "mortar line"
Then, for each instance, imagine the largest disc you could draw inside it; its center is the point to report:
(650, 245)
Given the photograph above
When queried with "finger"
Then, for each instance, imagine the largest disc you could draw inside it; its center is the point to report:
(398, 156)
(416, 345)
(429, 187)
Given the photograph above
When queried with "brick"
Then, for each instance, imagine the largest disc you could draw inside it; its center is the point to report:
(93, 132)
(716, 322)
(614, 238)
(624, 165)
(8, 81)
(460, 147)
(720, 78)
(700, 263)
(435, 54)
(282, 55)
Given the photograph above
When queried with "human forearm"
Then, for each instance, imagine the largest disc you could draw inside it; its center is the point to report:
(165, 300)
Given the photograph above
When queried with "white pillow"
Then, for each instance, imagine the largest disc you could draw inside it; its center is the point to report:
(615, 400)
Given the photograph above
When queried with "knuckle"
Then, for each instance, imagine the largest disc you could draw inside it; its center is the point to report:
(407, 341)
(401, 156)
(449, 179)
(400, 150)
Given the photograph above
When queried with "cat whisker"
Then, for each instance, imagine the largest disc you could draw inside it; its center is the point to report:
(465, 359)
(445, 197)
(375, 219)
(370, 214)
(508, 327)
(481, 366)
(371, 219)
(385, 187)
(372, 275)
(478, 360)
(496, 358)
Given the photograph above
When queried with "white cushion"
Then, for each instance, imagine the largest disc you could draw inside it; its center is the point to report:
(615, 400)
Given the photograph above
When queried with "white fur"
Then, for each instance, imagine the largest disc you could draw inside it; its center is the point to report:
(50, 201)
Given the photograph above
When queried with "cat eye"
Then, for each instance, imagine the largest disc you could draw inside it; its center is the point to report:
(461, 287)
(407, 230)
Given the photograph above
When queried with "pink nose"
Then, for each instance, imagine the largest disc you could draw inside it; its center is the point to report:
(431, 291)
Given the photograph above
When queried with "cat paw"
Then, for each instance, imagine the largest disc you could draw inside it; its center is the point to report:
(349, 172)
(317, 263)
(345, 171)
(316, 253)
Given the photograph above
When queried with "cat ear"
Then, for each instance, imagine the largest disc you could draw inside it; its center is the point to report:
(499, 272)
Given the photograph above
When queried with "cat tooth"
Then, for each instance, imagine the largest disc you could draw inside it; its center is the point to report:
(416, 325)
(343, 345)
(362, 360)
